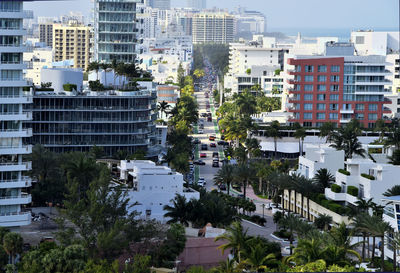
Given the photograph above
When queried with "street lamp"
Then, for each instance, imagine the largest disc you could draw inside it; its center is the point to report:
(263, 207)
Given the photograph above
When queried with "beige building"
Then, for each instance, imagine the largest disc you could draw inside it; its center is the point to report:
(72, 41)
(213, 27)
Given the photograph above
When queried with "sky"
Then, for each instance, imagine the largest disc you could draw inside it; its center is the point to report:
(281, 14)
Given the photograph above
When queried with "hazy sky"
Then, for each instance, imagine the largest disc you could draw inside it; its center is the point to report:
(280, 13)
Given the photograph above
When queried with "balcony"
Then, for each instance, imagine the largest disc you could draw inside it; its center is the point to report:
(347, 111)
(16, 133)
(15, 219)
(15, 166)
(22, 150)
(24, 182)
(13, 48)
(387, 110)
(16, 99)
(23, 199)
(292, 81)
(16, 116)
(347, 120)
(335, 196)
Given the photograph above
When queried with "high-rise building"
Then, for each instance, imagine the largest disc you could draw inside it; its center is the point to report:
(212, 27)
(13, 182)
(197, 4)
(160, 4)
(46, 34)
(115, 30)
(337, 87)
(72, 41)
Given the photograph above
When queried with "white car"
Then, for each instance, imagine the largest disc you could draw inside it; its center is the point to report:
(201, 182)
(201, 131)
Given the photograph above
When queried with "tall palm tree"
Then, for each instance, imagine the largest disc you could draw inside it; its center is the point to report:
(327, 130)
(246, 103)
(308, 250)
(364, 205)
(393, 191)
(12, 243)
(94, 66)
(179, 211)
(393, 138)
(237, 239)
(290, 222)
(346, 139)
(323, 221)
(323, 178)
(394, 158)
(381, 127)
(243, 173)
(395, 243)
(263, 171)
(300, 134)
(252, 147)
(274, 131)
(225, 175)
(163, 107)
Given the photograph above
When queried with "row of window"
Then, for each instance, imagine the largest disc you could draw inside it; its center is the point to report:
(333, 116)
(335, 97)
(320, 68)
(320, 87)
(335, 106)
(320, 78)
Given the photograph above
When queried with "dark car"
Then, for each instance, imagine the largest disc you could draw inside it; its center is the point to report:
(215, 155)
(204, 147)
(215, 164)
(209, 119)
(196, 141)
(199, 162)
(222, 187)
(213, 145)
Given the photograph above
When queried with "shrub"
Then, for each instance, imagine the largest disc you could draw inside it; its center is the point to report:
(282, 234)
(320, 197)
(248, 71)
(336, 188)
(96, 85)
(344, 172)
(70, 87)
(352, 190)
(370, 177)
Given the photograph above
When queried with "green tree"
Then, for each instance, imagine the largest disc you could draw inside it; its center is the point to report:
(323, 178)
(163, 107)
(257, 257)
(327, 130)
(300, 134)
(274, 131)
(181, 76)
(323, 221)
(12, 244)
(394, 158)
(393, 191)
(225, 176)
(290, 222)
(179, 211)
(346, 139)
(243, 173)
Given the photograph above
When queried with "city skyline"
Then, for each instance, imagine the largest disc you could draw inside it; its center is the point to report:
(367, 14)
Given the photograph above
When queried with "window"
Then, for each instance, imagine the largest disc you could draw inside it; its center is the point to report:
(298, 68)
(297, 78)
(359, 116)
(321, 78)
(372, 116)
(333, 116)
(308, 87)
(320, 116)
(335, 68)
(309, 68)
(296, 87)
(307, 115)
(320, 106)
(373, 107)
(321, 87)
(333, 106)
(334, 97)
(308, 97)
(359, 40)
(322, 68)
(308, 106)
(308, 78)
(321, 97)
(334, 88)
(335, 78)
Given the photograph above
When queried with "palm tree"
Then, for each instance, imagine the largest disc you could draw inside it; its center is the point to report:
(12, 243)
(394, 158)
(179, 211)
(382, 128)
(263, 171)
(395, 242)
(94, 66)
(393, 191)
(308, 250)
(323, 178)
(364, 205)
(237, 239)
(256, 257)
(290, 222)
(246, 103)
(225, 175)
(393, 138)
(199, 73)
(323, 221)
(163, 107)
(300, 134)
(243, 173)
(228, 266)
(327, 130)
(274, 131)
(252, 147)
(346, 139)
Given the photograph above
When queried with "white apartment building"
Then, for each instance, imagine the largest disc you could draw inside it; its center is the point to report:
(13, 181)
(180, 46)
(391, 214)
(36, 60)
(215, 27)
(152, 187)
(371, 179)
(250, 21)
(320, 157)
(371, 42)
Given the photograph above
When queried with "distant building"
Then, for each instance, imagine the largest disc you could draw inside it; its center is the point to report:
(213, 27)
(250, 21)
(73, 41)
(61, 76)
(115, 30)
(46, 33)
(152, 187)
(36, 60)
(197, 4)
(160, 4)
(375, 42)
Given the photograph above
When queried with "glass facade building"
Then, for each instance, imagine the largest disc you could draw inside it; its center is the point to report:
(115, 30)
(118, 121)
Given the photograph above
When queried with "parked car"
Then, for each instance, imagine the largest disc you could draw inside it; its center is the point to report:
(215, 164)
(213, 145)
(200, 131)
(204, 147)
(200, 162)
(202, 155)
(215, 155)
(201, 182)
(196, 141)
(211, 138)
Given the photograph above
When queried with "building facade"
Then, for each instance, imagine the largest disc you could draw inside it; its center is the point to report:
(13, 181)
(213, 27)
(114, 120)
(197, 4)
(160, 4)
(72, 42)
(46, 33)
(337, 87)
(115, 30)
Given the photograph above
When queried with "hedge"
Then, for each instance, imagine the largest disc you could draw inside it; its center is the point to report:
(70, 87)
(352, 190)
(344, 172)
(336, 188)
(370, 177)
